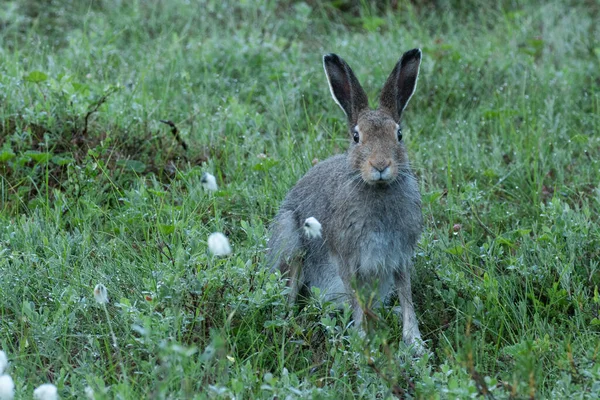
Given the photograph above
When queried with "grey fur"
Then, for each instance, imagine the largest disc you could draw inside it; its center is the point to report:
(370, 227)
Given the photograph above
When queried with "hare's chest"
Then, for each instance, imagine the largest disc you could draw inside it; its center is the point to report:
(375, 233)
(373, 245)
(381, 250)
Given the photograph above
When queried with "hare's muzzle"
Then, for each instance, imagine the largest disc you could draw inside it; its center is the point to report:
(380, 171)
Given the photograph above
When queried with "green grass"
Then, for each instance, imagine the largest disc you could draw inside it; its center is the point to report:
(502, 131)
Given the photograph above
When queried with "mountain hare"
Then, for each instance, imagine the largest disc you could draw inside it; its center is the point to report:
(367, 202)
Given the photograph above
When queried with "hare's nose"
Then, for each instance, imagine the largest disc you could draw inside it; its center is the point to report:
(381, 166)
(381, 170)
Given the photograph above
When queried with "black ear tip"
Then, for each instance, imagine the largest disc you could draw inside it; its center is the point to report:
(411, 55)
(331, 57)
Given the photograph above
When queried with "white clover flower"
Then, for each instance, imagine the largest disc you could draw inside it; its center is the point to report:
(47, 391)
(7, 388)
(218, 244)
(3, 362)
(209, 182)
(312, 228)
(101, 294)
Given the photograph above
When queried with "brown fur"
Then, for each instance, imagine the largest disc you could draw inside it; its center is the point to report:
(378, 146)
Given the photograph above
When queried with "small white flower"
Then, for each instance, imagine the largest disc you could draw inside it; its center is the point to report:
(218, 244)
(209, 182)
(47, 391)
(312, 228)
(7, 388)
(101, 294)
(3, 362)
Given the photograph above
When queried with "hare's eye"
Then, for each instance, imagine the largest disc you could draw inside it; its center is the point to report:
(399, 133)
(356, 136)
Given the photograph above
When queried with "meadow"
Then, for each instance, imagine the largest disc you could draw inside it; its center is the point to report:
(502, 133)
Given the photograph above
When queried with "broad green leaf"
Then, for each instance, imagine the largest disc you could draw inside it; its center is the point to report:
(133, 165)
(505, 241)
(38, 156)
(277, 323)
(582, 139)
(265, 165)
(124, 303)
(60, 160)
(490, 173)
(432, 197)
(498, 113)
(372, 24)
(6, 154)
(36, 77)
(81, 88)
(166, 229)
(456, 250)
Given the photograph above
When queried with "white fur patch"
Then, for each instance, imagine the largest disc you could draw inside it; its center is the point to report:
(312, 228)
(360, 135)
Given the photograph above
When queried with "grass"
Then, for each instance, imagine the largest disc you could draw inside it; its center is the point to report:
(503, 133)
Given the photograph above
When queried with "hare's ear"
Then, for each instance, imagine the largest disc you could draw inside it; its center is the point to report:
(344, 86)
(401, 84)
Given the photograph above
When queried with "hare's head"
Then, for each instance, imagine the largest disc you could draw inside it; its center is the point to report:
(376, 149)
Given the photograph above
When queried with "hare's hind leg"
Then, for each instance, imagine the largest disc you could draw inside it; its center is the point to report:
(295, 275)
(410, 325)
(285, 252)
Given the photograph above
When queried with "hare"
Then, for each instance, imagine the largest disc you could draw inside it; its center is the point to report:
(366, 200)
